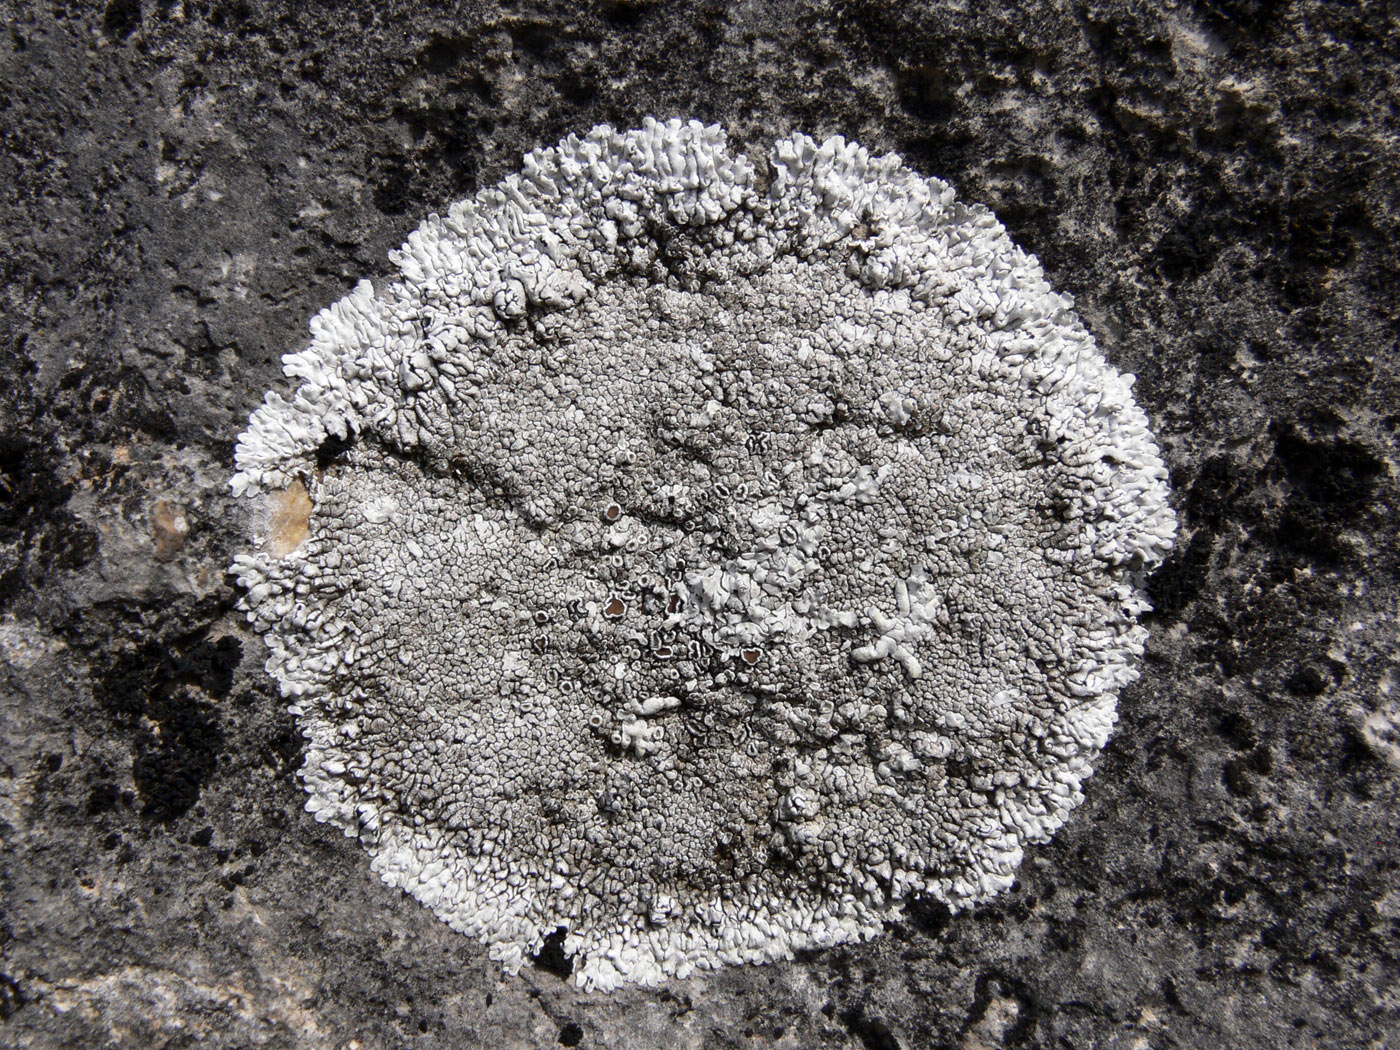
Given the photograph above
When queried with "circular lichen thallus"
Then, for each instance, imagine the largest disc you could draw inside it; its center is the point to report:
(710, 564)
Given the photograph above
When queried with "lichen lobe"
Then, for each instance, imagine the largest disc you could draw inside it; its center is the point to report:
(711, 568)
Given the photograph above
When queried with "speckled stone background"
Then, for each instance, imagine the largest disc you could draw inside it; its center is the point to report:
(184, 184)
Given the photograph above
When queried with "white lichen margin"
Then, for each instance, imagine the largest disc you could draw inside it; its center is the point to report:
(717, 560)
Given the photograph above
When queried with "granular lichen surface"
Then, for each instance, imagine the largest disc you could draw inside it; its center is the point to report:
(719, 556)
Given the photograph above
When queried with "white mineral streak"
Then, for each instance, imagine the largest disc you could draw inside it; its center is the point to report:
(715, 563)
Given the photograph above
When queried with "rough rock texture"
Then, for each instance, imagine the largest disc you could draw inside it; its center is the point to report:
(185, 184)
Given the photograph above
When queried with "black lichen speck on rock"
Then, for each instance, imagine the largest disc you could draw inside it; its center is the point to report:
(391, 193)
(164, 694)
(873, 1033)
(11, 997)
(1333, 480)
(551, 958)
(38, 533)
(122, 18)
(176, 755)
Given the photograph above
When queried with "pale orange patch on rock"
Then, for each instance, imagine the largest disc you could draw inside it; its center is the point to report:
(169, 529)
(289, 521)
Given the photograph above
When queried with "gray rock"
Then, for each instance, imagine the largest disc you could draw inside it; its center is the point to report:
(184, 184)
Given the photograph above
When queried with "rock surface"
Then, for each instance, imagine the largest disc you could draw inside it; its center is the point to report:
(184, 184)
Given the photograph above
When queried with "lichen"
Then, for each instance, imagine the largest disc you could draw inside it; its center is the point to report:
(715, 562)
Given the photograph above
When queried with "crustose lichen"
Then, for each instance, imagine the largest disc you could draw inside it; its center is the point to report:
(715, 563)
